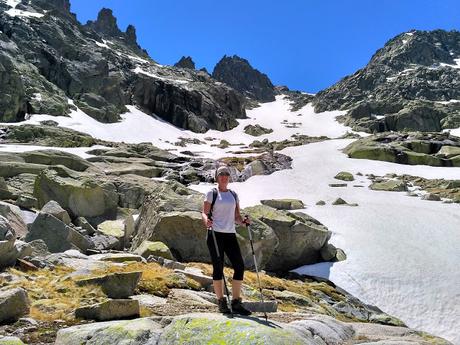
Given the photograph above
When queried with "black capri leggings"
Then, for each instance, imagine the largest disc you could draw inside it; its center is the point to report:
(227, 244)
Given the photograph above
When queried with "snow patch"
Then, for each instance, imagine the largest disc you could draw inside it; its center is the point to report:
(449, 101)
(79, 151)
(103, 45)
(37, 97)
(456, 66)
(132, 57)
(13, 12)
(150, 128)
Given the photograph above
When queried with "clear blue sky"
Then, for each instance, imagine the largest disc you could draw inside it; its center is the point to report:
(306, 45)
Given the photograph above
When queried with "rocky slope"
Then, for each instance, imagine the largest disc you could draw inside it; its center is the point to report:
(240, 75)
(48, 57)
(160, 223)
(412, 83)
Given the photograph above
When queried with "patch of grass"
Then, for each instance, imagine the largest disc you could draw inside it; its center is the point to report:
(432, 339)
(268, 283)
(53, 294)
(287, 307)
(155, 280)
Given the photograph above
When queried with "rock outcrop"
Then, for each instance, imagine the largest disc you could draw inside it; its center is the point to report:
(283, 240)
(214, 328)
(114, 309)
(116, 285)
(257, 130)
(10, 248)
(408, 148)
(57, 235)
(14, 304)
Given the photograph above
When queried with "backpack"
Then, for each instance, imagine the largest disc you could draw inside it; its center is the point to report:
(214, 198)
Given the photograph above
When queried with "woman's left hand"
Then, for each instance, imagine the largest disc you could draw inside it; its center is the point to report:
(246, 221)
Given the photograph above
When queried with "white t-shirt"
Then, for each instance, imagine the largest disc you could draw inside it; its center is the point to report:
(223, 212)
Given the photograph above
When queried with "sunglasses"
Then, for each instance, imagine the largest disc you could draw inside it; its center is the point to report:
(223, 174)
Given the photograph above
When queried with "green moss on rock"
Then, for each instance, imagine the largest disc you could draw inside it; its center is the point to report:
(284, 204)
(156, 248)
(10, 341)
(344, 176)
(207, 330)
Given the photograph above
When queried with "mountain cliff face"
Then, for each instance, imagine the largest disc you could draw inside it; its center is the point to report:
(411, 83)
(240, 75)
(47, 57)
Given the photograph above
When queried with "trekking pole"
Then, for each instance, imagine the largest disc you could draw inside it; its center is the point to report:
(221, 262)
(257, 270)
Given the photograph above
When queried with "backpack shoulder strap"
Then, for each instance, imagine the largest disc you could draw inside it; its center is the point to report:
(234, 194)
(214, 198)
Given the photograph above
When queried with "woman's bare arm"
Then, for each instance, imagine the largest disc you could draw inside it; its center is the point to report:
(204, 214)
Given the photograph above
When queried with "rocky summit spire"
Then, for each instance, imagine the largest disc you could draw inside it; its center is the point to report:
(240, 75)
(106, 23)
(185, 62)
(131, 36)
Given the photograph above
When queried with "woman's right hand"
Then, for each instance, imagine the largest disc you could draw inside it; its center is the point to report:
(208, 222)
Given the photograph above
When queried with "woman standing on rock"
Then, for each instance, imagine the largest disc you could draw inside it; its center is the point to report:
(223, 204)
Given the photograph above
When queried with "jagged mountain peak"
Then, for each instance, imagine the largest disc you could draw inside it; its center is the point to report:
(106, 23)
(240, 75)
(107, 26)
(185, 62)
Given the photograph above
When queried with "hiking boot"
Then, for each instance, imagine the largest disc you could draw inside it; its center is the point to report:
(223, 307)
(237, 307)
